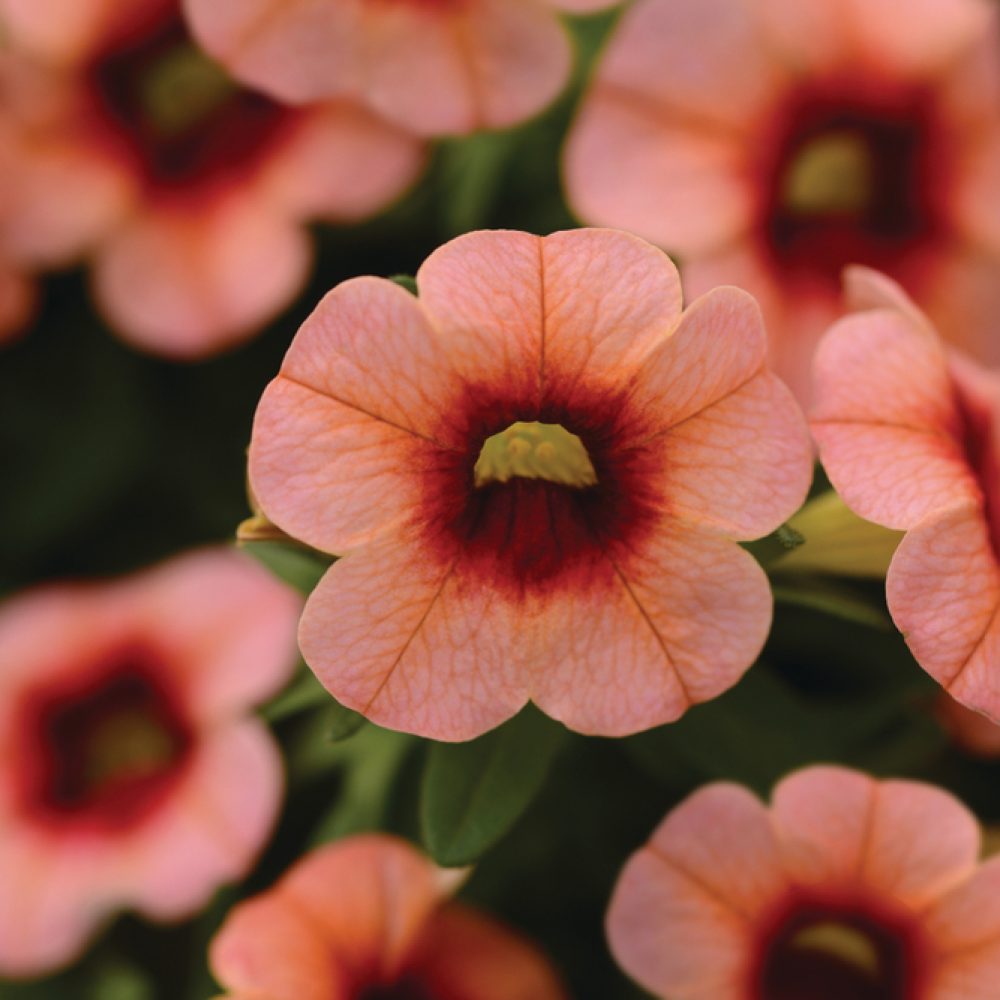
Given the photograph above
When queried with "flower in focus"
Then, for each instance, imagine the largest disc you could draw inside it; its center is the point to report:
(437, 67)
(908, 436)
(846, 888)
(773, 142)
(536, 473)
(187, 190)
(133, 775)
(367, 918)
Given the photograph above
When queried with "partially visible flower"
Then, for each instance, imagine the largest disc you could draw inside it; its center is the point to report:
(536, 473)
(368, 918)
(770, 143)
(188, 192)
(846, 888)
(132, 774)
(971, 731)
(17, 300)
(908, 435)
(436, 66)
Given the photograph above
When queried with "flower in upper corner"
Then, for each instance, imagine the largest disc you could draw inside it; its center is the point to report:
(187, 191)
(771, 143)
(846, 888)
(536, 473)
(436, 66)
(133, 774)
(908, 435)
(368, 918)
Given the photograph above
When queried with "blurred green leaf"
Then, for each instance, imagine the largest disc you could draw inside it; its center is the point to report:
(119, 980)
(304, 694)
(406, 281)
(295, 564)
(472, 793)
(472, 170)
(836, 600)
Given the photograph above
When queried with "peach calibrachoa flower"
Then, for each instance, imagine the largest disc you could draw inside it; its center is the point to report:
(846, 888)
(188, 190)
(435, 66)
(132, 774)
(535, 472)
(368, 918)
(772, 142)
(908, 436)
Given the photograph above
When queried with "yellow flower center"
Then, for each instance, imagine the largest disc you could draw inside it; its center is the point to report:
(832, 174)
(533, 450)
(182, 88)
(131, 743)
(848, 944)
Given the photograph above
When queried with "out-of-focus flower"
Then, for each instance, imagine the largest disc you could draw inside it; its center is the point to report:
(974, 733)
(435, 66)
(133, 775)
(187, 190)
(17, 300)
(846, 887)
(536, 472)
(369, 918)
(908, 436)
(773, 142)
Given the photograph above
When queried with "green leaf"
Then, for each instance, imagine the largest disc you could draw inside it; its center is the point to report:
(297, 565)
(473, 793)
(406, 281)
(304, 694)
(472, 171)
(776, 546)
(836, 601)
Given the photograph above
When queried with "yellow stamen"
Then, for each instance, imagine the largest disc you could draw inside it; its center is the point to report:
(535, 451)
(130, 743)
(830, 175)
(183, 88)
(842, 941)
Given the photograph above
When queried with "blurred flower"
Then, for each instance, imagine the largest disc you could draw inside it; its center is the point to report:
(188, 191)
(845, 887)
(439, 67)
(368, 917)
(773, 142)
(132, 774)
(908, 436)
(17, 300)
(974, 733)
(536, 472)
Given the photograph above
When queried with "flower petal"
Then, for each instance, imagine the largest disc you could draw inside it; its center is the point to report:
(191, 283)
(464, 954)
(60, 30)
(943, 591)
(415, 643)
(681, 919)
(885, 419)
(907, 841)
(653, 632)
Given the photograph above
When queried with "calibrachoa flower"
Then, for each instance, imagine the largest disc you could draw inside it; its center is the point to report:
(907, 434)
(188, 190)
(536, 472)
(846, 888)
(436, 66)
(773, 142)
(132, 773)
(368, 919)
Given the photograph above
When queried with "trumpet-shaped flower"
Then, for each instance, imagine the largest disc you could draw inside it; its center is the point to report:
(439, 67)
(187, 190)
(536, 473)
(907, 434)
(773, 142)
(133, 775)
(846, 888)
(368, 918)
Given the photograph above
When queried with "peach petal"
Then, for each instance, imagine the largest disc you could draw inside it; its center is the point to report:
(702, 58)
(468, 955)
(213, 829)
(943, 591)
(581, 6)
(18, 299)
(743, 464)
(655, 631)
(631, 163)
(414, 643)
(299, 52)
(806, 36)
(977, 735)
(189, 283)
(371, 896)
(903, 840)
(866, 289)
(975, 202)
(710, 869)
(345, 164)
(885, 427)
(270, 948)
(228, 627)
(62, 30)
